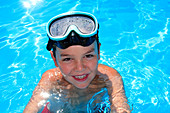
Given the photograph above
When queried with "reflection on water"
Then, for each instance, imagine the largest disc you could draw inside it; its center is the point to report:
(86, 103)
(99, 103)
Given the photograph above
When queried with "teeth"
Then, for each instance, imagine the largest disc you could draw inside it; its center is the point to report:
(80, 77)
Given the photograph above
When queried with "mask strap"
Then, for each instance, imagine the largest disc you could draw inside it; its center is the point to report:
(50, 44)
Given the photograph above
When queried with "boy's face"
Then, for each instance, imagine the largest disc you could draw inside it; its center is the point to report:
(78, 64)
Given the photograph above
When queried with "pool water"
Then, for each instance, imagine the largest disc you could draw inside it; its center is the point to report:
(135, 39)
(99, 103)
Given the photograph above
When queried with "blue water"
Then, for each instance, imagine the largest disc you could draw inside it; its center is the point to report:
(99, 103)
(135, 37)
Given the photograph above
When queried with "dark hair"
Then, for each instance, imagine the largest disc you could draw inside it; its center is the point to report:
(53, 46)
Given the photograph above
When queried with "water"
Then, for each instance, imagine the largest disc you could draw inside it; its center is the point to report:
(135, 41)
(99, 103)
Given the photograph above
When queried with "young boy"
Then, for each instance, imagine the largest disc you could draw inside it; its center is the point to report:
(73, 36)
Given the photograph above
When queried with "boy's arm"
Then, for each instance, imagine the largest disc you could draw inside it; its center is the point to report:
(119, 100)
(41, 92)
(116, 90)
(36, 101)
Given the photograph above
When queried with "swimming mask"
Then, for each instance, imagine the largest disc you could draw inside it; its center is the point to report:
(72, 28)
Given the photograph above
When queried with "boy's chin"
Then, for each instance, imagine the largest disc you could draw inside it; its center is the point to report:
(82, 86)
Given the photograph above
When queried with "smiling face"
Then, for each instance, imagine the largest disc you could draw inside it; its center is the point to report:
(78, 64)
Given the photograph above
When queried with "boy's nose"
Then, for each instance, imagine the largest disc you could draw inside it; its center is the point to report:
(80, 66)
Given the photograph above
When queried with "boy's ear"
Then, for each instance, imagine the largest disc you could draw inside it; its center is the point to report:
(99, 51)
(54, 59)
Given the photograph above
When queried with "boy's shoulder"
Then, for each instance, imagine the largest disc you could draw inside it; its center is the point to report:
(51, 75)
(104, 69)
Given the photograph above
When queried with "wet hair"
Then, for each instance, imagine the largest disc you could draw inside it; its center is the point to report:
(53, 46)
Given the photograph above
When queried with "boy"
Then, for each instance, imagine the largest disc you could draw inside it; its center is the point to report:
(73, 36)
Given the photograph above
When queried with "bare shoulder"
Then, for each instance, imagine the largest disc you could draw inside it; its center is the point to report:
(50, 77)
(114, 78)
(104, 69)
(115, 86)
(45, 85)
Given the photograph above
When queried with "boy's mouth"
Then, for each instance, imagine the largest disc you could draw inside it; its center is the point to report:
(81, 78)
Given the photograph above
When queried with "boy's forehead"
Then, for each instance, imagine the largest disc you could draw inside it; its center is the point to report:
(74, 48)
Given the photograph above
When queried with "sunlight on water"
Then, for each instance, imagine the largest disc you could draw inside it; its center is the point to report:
(30, 3)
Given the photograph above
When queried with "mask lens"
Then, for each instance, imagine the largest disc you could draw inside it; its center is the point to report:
(84, 24)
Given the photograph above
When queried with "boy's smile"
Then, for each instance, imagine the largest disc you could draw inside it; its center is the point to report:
(81, 78)
(78, 64)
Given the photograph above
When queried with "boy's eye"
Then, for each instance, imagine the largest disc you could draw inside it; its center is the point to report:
(89, 56)
(66, 59)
